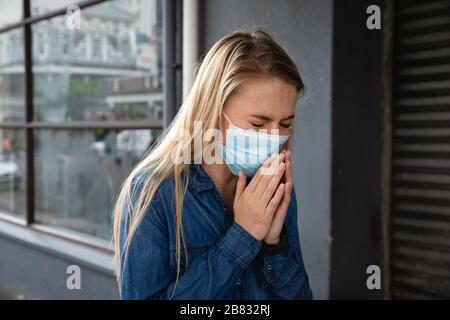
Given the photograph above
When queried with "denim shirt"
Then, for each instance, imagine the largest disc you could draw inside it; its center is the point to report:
(224, 260)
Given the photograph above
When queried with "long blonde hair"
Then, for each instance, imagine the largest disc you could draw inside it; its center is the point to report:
(231, 61)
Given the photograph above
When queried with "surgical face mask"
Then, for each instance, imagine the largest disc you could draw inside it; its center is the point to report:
(247, 150)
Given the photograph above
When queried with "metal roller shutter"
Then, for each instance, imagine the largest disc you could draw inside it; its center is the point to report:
(420, 220)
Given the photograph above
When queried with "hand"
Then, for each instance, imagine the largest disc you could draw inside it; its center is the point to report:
(255, 204)
(273, 235)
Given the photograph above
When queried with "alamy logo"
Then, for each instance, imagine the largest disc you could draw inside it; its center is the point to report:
(374, 20)
(374, 279)
(73, 17)
(74, 280)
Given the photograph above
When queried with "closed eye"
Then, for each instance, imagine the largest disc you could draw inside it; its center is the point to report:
(257, 125)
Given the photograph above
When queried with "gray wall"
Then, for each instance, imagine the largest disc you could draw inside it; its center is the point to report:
(304, 29)
(23, 268)
(34, 265)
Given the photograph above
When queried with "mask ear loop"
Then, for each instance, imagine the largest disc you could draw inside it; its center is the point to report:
(228, 119)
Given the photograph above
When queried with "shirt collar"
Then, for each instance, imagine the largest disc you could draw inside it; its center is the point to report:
(199, 180)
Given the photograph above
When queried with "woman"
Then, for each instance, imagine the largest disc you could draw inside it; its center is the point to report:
(219, 229)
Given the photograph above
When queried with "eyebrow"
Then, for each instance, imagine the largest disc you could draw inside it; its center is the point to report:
(263, 117)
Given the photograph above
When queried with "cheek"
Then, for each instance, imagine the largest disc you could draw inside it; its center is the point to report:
(284, 131)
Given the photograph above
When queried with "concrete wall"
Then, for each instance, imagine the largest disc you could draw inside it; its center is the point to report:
(304, 29)
(33, 265)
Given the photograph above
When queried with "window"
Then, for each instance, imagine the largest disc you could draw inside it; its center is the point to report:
(12, 108)
(12, 103)
(41, 43)
(77, 174)
(14, 9)
(40, 7)
(12, 172)
(82, 78)
(96, 106)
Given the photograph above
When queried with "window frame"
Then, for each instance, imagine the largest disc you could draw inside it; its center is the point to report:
(172, 86)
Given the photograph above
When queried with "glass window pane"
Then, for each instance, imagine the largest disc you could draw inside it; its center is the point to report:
(12, 86)
(78, 174)
(14, 8)
(12, 172)
(108, 70)
(40, 7)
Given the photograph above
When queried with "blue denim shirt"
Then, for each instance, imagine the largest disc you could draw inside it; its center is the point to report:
(225, 261)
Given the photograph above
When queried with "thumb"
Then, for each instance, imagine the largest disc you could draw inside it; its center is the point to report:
(240, 186)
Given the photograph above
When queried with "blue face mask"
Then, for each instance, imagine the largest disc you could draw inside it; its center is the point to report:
(247, 150)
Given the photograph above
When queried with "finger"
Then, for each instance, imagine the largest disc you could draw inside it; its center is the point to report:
(240, 186)
(287, 198)
(271, 168)
(273, 184)
(289, 170)
(275, 201)
(279, 217)
(257, 177)
(267, 173)
(280, 213)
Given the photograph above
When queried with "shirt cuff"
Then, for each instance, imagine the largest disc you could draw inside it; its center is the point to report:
(239, 245)
(281, 247)
(279, 267)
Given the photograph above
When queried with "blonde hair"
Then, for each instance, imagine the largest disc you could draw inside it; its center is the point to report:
(232, 60)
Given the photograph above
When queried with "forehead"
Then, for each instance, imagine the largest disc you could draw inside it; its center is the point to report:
(265, 95)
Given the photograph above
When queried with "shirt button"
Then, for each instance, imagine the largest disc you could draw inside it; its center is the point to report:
(238, 282)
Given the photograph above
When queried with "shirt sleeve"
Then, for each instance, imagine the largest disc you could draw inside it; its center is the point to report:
(279, 248)
(211, 275)
(284, 274)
